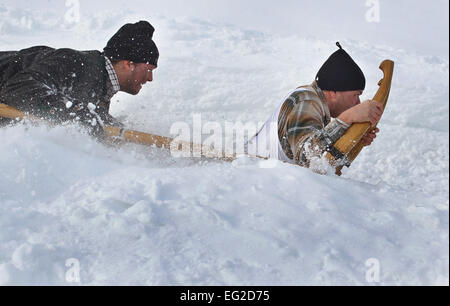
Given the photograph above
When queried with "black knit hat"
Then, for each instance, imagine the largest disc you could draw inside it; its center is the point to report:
(133, 42)
(341, 73)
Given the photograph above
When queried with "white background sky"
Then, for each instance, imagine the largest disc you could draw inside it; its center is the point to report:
(408, 24)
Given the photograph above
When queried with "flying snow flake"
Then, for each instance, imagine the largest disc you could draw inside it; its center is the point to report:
(69, 105)
(92, 107)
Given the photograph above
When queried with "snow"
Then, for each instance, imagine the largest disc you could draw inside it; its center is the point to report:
(138, 216)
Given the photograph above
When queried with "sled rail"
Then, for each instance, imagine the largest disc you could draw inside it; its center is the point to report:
(120, 134)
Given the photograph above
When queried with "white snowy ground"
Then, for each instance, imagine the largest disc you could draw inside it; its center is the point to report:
(137, 216)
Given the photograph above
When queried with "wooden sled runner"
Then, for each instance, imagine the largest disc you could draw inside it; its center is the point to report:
(147, 139)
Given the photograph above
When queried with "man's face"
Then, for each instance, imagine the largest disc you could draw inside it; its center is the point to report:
(139, 74)
(347, 99)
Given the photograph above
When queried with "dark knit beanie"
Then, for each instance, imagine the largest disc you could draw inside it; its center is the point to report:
(341, 73)
(133, 42)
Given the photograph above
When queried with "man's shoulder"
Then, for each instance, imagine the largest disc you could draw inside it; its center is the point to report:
(36, 49)
(306, 94)
(73, 55)
(74, 62)
(49, 52)
(25, 56)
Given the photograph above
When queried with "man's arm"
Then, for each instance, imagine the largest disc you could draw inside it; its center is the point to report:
(306, 133)
(368, 111)
(45, 91)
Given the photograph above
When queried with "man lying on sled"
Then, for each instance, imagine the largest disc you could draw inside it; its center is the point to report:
(70, 85)
(313, 117)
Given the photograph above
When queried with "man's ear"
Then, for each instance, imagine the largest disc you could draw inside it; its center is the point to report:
(331, 96)
(127, 65)
(124, 65)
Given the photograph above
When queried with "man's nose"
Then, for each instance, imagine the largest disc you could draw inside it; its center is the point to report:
(150, 76)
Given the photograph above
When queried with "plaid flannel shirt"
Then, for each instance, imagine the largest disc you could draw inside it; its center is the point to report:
(113, 86)
(305, 127)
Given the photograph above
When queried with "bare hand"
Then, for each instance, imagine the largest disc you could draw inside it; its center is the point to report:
(370, 137)
(368, 111)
